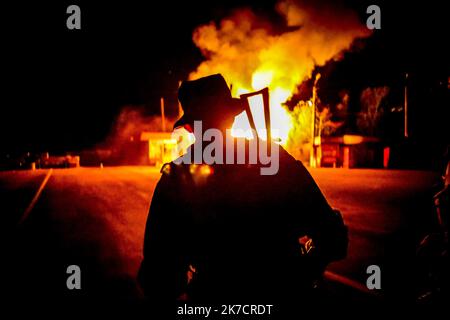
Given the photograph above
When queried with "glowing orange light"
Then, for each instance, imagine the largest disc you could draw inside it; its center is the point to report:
(281, 122)
(205, 170)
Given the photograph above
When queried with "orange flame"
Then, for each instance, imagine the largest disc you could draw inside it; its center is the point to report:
(280, 119)
(245, 50)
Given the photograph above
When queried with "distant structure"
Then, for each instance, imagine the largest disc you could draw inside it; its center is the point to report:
(161, 147)
(352, 151)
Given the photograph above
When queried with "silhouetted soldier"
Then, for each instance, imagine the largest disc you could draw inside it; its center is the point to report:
(240, 235)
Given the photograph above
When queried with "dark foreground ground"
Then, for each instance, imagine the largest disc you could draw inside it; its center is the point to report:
(95, 218)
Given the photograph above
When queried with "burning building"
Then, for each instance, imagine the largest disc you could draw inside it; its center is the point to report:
(161, 147)
(252, 54)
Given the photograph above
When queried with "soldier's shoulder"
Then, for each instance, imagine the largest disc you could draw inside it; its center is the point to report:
(173, 169)
(166, 168)
(291, 166)
(286, 158)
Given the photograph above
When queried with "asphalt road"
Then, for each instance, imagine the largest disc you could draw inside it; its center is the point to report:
(95, 218)
(388, 212)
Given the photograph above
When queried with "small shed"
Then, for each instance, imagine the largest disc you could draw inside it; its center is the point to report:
(161, 147)
(352, 151)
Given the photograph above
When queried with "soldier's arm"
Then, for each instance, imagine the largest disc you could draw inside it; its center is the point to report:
(323, 224)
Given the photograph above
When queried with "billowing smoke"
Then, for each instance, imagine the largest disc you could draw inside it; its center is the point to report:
(131, 122)
(123, 145)
(250, 54)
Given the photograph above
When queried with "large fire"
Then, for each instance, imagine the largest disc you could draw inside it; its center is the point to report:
(281, 121)
(251, 55)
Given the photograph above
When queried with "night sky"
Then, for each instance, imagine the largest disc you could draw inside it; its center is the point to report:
(61, 89)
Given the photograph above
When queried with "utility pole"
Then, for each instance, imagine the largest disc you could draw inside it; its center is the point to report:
(405, 107)
(312, 157)
(180, 109)
(163, 118)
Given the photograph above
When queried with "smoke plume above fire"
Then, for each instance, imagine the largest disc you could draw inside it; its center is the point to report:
(251, 53)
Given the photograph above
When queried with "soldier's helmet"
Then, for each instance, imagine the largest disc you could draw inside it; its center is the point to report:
(206, 98)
